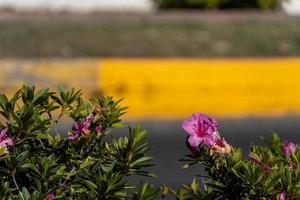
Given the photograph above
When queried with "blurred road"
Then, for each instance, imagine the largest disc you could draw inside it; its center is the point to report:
(168, 142)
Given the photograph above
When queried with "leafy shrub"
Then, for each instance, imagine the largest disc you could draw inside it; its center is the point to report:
(37, 162)
(190, 3)
(221, 4)
(270, 172)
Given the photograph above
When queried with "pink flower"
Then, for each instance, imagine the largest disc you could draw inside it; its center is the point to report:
(201, 129)
(288, 148)
(50, 196)
(89, 119)
(5, 141)
(98, 128)
(291, 165)
(73, 136)
(81, 127)
(255, 160)
(281, 196)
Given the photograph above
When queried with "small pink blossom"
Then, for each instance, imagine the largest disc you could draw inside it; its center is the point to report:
(5, 141)
(50, 196)
(73, 136)
(81, 127)
(288, 148)
(89, 119)
(98, 128)
(281, 196)
(255, 160)
(201, 129)
(291, 165)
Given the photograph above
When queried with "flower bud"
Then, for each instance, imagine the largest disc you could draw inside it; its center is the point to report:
(220, 147)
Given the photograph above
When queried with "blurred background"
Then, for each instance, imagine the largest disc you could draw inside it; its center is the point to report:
(236, 60)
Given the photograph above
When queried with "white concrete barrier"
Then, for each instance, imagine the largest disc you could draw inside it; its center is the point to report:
(79, 5)
(292, 7)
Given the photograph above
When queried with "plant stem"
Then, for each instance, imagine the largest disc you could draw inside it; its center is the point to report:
(14, 180)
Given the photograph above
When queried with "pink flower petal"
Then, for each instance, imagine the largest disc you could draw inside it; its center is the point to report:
(288, 148)
(201, 129)
(194, 141)
(189, 126)
(282, 196)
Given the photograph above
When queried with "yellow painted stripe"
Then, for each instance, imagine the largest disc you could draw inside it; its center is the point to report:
(77, 73)
(174, 88)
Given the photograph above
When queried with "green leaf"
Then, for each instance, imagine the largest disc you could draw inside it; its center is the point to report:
(90, 184)
(40, 94)
(118, 125)
(3, 101)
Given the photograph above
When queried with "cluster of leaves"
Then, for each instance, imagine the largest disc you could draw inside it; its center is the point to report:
(37, 162)
(221, 4)
(45, 164)
(266, 174)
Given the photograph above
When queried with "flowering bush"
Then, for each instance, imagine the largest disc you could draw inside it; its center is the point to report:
(39, 162)
(269, 172)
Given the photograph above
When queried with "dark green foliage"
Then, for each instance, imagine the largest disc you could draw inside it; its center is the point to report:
(45, 164)
(146, 192)
(221, 4)
(91, 163)
(265, 174)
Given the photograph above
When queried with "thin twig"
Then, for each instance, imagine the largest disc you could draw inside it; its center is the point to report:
(14, 180)
(204, 184)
